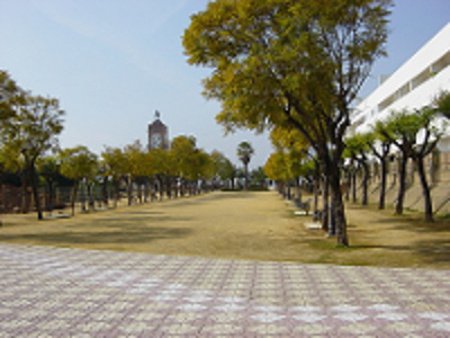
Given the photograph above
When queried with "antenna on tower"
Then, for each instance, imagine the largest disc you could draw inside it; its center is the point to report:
(157, 114)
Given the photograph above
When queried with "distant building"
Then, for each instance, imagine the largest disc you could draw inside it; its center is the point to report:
(158, 134)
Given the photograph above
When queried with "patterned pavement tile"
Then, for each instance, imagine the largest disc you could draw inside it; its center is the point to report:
(50, 292)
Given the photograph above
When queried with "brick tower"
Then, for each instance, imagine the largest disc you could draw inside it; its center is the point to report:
(158, 134)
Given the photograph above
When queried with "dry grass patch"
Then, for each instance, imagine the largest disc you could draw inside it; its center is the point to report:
(245, 225)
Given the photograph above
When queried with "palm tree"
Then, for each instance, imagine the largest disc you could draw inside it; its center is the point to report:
(244, 153)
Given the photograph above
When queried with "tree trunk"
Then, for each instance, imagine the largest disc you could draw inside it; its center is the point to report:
(91, 199)
(298, 191)
(35, 189)
(130, 191)
(365, 192)
(325, 205)
(146, 190)
(168, 189)
(316, 196)
(428, 206)
(74, 197)
(354, 187)
(116, 192)
(83, 196)
(338, 206)
(246, 176)
(402, 185)
(139, 193)
(382, 200)
(105, 191)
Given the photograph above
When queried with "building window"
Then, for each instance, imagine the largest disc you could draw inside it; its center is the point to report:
(442, 63)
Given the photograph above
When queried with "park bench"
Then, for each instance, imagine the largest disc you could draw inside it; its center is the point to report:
(303, 207)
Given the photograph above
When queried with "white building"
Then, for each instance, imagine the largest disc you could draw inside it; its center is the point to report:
(415, 84)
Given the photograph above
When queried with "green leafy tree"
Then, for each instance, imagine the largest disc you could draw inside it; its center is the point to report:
(300, 62)
(301, 162)
(163, 168)
(258, 178)
(291, 142)
(13, 163)
(381, 146)
(29, 134)
(183, 150)
(357, 148)
(116, 168)
(201, 169)
(49, 168)
(136, 169)
(276, 169)
(245, 152)
(415, 135)
(223, 168)
(442, 104)
(78, 164)
(9, 94)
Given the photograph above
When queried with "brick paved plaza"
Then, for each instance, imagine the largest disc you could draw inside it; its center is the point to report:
(54, 292)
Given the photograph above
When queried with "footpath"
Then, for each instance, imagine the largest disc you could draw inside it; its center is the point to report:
(57, 292)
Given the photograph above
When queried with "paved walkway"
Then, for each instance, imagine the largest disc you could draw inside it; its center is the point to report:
(69, 292)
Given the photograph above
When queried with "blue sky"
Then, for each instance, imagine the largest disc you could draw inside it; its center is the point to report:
(113, 63)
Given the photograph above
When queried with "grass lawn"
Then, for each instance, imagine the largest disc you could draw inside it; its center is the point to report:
(244, 225)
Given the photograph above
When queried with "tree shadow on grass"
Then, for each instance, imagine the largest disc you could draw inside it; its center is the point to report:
(434, 251)
(125, 223)
(142, 212)
(429, 251)
(127, 235)
(421, 226)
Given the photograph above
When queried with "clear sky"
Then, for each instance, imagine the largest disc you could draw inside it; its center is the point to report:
(113, 63)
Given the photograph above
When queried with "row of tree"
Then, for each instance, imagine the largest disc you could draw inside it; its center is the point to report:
(29, 148)
(414, 135)
(405, 135)
(293, 64)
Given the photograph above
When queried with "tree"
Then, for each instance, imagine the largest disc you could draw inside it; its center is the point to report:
(381, 146)
(244, 153)
(442, 104)
(201, 169)
(275, 169)
(357, 148)
(30, 133)
(292, 144)
(162, 167)
(115, 163)
(300, 62)
(414, 134)
(78, 164)
(223, 168)
(13, 163)
(50, 169)
(9, 94)
(183, 150)
(258, 178)
(136, 168)
(404, 140)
